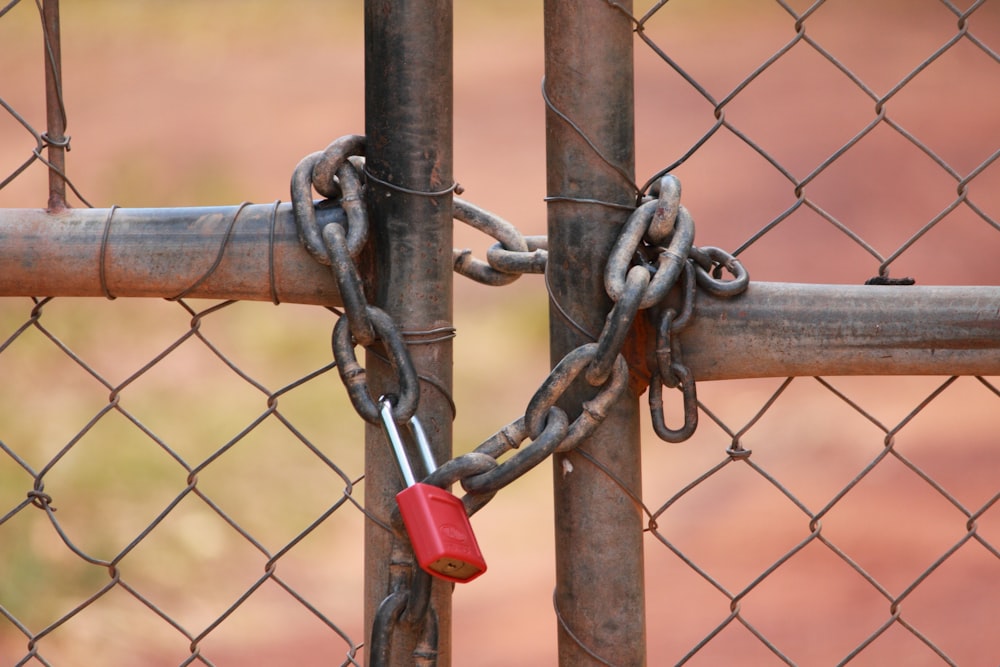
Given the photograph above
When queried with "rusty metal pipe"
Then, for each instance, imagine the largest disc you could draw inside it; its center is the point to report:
(163, 252)
(588, 90)
(783, 329)
(408, 123)
(772, 330)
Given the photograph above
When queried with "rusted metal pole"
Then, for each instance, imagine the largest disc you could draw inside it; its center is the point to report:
(55, 110)
(590, 147)
(784, 329)
(408, 121)
(208, 252)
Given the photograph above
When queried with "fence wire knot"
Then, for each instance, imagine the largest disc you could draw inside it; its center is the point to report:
(41, 500)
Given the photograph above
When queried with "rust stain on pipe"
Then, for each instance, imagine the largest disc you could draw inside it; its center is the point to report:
(787, 329)
(209, 251)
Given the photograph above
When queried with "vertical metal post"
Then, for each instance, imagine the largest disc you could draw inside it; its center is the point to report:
(55, 131)
(590, 156)
(408, 121)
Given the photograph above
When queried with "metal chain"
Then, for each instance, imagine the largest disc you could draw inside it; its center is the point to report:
(653, 254)
(407, 604)
(653, 257)
(506, 260)
(337, 173)
(701, 267)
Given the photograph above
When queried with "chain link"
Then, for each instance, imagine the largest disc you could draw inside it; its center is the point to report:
(653, 257)
(320, 170)
(355, 378)
(559, 380)
(508, 261)
(666, 263)
(512, 255)
(709, 262)
(617, 325)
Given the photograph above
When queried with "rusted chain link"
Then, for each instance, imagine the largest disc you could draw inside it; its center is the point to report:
(324, 171)
(654, 254)
(667, 262)
(653, 257)
(506, 260)
(338, 173)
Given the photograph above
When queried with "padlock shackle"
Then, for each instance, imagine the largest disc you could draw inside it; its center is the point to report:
(396, 441)
(423, 444)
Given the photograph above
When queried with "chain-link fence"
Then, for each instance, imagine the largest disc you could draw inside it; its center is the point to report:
(131, 510)
(829, 520)
(182, 479)
(176, 476)
(46, 146)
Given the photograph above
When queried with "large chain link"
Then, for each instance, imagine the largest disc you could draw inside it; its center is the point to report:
(338, 173)
(654, 257)
(506, 260)
(654, 254)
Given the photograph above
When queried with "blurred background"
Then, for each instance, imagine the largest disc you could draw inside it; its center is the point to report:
(190, 103)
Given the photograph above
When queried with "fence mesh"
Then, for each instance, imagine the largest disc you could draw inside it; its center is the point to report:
(809, 521)
(130, 510)
(22, 117)
(828, 520)
(175, 477)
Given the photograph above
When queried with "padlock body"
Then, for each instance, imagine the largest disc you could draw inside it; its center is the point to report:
(440, 533)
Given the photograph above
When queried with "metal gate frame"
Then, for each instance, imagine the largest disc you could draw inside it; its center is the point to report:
(772, 330)
(599, 598)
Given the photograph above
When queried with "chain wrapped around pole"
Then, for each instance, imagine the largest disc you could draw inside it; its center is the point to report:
(654, 257)
(334, 173)
(653, 266)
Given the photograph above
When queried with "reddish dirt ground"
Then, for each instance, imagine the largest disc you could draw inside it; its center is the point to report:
(159, 119)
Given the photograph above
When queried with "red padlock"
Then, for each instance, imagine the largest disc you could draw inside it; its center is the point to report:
(435, 520)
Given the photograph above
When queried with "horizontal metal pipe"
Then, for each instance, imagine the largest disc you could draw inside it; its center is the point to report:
(250, 252)
(772, 330)
(784, 329)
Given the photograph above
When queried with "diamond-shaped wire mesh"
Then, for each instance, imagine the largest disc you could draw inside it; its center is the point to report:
(21, 25)
(38, 121)
(116, 511)
(829, 520)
